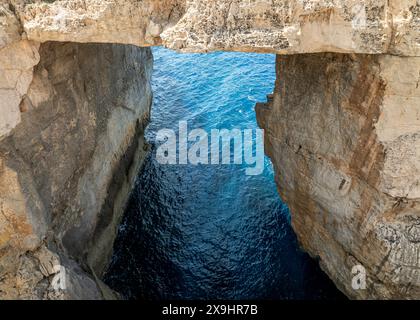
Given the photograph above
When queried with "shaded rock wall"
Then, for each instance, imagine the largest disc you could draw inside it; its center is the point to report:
(342, 132)
(67, 167)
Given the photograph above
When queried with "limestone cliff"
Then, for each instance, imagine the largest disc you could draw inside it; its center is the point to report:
(67, 167)
(342, 131)
(342, 128)
(279, 26)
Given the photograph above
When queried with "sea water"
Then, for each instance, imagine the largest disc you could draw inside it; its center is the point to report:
(210, 231)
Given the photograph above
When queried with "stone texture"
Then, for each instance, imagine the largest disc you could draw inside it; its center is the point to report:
(298, 26)
(16, 66)
(111, 21)
(279, 26)
(343, 134)
(10, 27)
(67, 167)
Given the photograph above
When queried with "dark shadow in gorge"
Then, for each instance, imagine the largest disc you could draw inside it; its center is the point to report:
(210, 231)
(150, 262)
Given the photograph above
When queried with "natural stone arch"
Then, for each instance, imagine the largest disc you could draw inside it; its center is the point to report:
(369, 167)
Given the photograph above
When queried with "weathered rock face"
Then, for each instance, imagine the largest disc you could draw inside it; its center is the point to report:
(67, 168)
(276, 26)
(138, 22)
(16, 66)
(280, 26)
(343, 134)
(298, 26)
(342, 129)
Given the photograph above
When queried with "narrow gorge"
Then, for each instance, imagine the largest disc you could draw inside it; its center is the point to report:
(342, 129)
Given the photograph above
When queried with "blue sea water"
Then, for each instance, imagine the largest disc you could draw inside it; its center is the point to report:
(210, 231)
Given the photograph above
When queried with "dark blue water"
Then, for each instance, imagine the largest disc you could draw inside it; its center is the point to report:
(210, 231)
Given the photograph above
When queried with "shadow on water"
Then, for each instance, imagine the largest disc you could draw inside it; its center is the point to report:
(210, 231)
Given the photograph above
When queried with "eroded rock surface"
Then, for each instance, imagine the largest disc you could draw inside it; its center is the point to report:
(298, 26)
(67, 168)
(343, 134)
(111, 21)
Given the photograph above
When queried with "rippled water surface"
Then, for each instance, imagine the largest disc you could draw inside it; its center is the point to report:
(210, 231)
